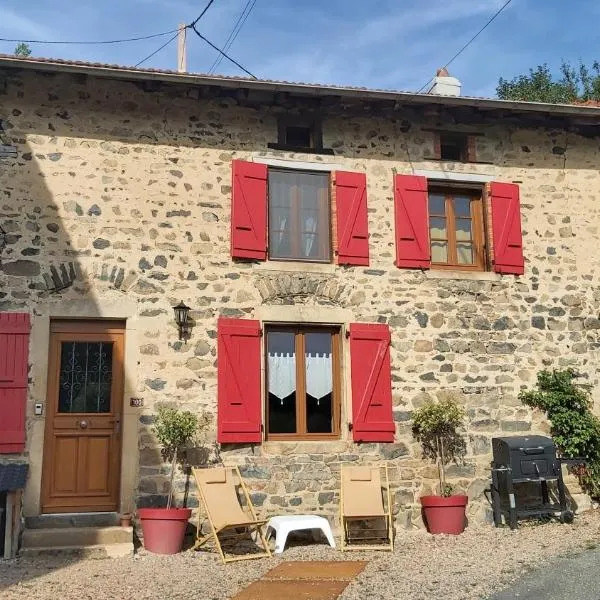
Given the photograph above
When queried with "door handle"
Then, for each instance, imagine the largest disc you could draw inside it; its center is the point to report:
(83, 424)
(117, 423)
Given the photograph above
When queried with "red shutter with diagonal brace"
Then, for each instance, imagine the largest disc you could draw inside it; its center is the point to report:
(14, 366)
(352, 218)
(372, 419)
(249, 210)
(506, 228)
(239, 392)
(412, 222)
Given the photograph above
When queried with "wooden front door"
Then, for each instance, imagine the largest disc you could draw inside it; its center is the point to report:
(82, 447)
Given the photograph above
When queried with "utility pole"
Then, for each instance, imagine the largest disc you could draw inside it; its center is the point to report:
(181, 49)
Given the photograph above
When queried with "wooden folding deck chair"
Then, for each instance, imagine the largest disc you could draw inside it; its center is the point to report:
(364, 498)
(228, 520)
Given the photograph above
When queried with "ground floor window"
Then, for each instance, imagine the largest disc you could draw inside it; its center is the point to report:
(303, 382)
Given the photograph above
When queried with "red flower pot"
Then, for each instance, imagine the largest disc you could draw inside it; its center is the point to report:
(444, 515)
(164, 528)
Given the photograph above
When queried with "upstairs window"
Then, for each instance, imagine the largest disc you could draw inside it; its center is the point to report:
(300, 134)
(456, 229)
(454, 146)
(299, 216)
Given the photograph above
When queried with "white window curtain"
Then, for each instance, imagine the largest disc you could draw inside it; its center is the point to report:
(310, 226)
(282, 374)
(319, 375)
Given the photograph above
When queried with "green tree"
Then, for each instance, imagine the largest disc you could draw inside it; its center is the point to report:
(22, 49)
(573, 84)
(573, 427)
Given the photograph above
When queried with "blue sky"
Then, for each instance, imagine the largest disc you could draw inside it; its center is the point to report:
(393, 44)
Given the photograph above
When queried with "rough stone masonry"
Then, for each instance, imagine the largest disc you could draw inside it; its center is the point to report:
(123, 191)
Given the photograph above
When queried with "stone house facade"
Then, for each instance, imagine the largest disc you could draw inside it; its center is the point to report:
(443, 245)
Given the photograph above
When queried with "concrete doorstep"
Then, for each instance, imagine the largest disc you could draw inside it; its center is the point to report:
(88, 542)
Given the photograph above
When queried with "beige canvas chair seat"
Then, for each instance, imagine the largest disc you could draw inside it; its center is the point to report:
(365, 496)
(225, 513)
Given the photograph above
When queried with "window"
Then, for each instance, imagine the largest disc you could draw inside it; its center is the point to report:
(456, 229)
(453, 146)
(303, 383)
(300, 134)
(299, 216)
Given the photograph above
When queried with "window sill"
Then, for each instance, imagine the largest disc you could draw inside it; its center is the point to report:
(334, 446)
(300, 149)
(465, 275)
(456, 176)
(295, 267)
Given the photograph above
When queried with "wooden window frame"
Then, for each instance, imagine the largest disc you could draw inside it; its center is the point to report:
(313, 124)
(478, 228)
(468, 141)
(294, 234)
(336, 397)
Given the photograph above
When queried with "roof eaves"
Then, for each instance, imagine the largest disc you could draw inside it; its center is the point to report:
(132, 74)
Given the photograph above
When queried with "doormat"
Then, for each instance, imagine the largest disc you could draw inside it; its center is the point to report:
(304, 580)
(317, 569)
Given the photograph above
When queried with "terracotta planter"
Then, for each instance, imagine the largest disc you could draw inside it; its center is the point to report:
(125, 520)
(164, 528)
(444, 515)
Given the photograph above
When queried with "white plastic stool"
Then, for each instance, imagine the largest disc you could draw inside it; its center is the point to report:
(283, 525)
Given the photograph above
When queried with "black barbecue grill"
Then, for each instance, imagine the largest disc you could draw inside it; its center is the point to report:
(526, 459)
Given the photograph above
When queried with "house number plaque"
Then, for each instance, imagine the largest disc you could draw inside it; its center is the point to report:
(136, 402)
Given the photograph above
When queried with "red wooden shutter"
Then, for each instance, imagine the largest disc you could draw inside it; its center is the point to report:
(249, 210)
(506, 228)
(14, 365)
(239, 391)
(411, 205)
(352, 219)
(372, 419)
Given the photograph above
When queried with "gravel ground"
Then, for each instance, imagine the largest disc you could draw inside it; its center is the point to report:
(467, 567)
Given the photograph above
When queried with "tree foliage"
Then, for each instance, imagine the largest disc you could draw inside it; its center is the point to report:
(436, 426)
(175, 430)
(22, 49)
(574, 429)
(574, 84)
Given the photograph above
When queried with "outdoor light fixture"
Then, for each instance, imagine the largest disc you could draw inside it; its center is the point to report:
(182, 313)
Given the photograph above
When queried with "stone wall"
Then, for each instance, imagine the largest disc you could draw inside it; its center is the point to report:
(121, 192)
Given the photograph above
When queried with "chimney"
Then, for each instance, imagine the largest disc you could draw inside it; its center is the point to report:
(444, 85)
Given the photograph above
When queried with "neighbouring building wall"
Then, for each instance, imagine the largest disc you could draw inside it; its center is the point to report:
(125, 194)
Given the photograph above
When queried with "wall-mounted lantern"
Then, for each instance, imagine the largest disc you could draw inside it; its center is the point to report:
(182, 313)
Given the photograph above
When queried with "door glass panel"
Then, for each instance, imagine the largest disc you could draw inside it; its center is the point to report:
(281, 371)
(85, 377)
(319, 382)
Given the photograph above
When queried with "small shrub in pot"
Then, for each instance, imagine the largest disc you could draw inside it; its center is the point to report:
(164, 528)
(437, 425)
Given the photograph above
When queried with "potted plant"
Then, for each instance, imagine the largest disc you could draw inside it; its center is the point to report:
(164, 528)
(435, 426)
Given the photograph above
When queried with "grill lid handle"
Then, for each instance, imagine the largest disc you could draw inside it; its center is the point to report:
(537, 450)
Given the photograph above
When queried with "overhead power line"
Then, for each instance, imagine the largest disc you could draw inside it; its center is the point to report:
(202, 13)
(87, 42)
(496, 14)
(157, 50)
(192, 24)
(234, 32)
(235, 62)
